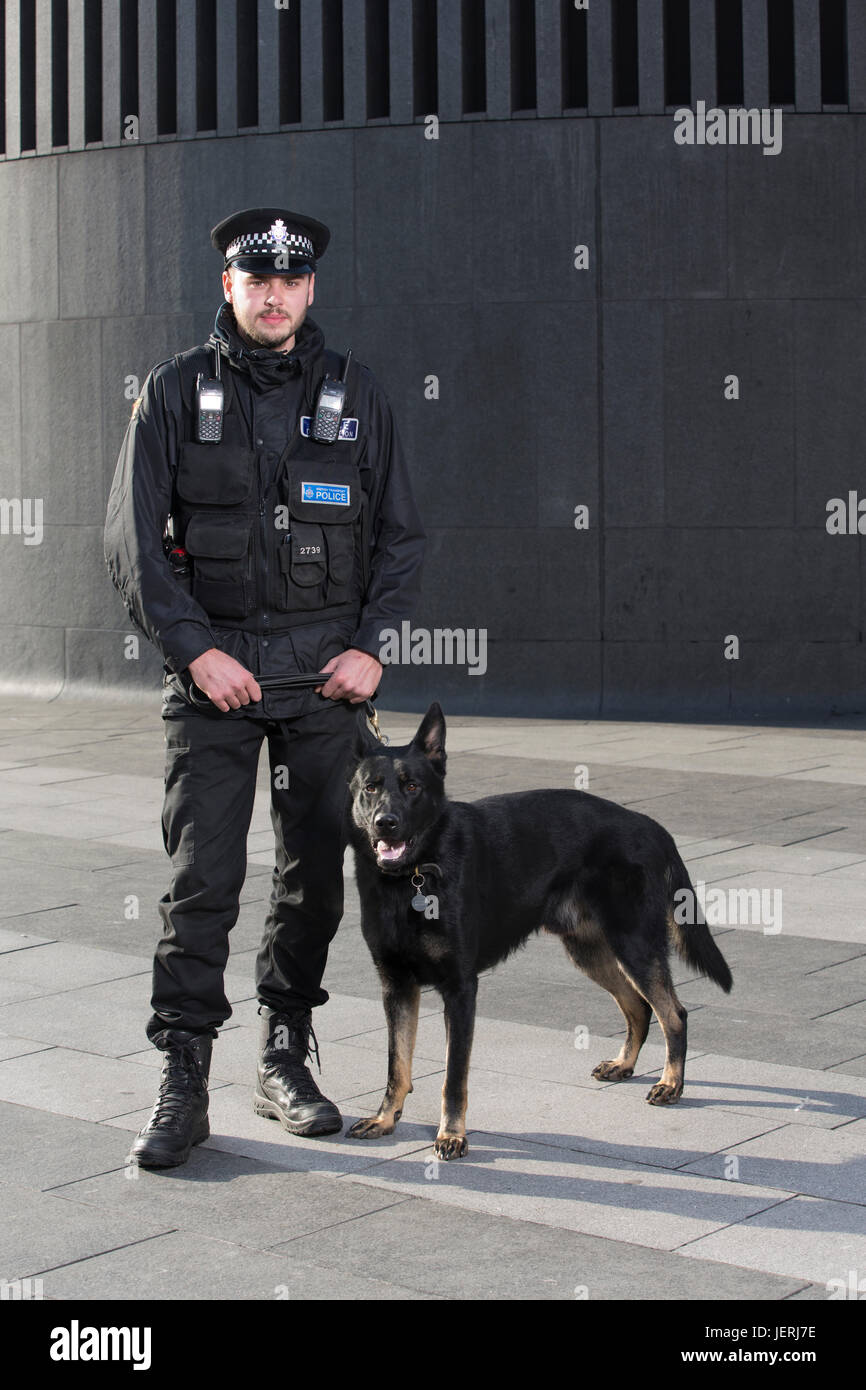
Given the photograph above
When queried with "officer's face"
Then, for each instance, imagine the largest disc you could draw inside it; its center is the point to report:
(269, 309)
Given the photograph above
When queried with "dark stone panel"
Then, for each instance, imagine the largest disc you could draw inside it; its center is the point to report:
(107, 659)
(130, 348)
(795, 219)
(101, 231)
(509, 442)
(634, 394)
(799, 678)
(192, 185)
(28, 235)
(508, 582)
(830, 369)
(533, 200)
(61, 582)
(61, 402)
(702, 585)
(663, 218)
(31, 658)
(413, 220)
(728, 462)
(657, 680)
(10, 411)
(543, 680)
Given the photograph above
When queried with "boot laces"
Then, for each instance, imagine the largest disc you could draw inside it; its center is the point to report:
(303, 1086)
(182, 1078)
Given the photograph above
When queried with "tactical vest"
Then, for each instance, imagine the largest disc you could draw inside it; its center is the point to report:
(304, 558)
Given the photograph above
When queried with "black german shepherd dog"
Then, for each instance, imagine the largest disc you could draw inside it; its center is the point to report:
(450, 888)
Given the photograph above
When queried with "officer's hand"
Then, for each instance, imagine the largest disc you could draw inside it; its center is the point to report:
(354, 676)
(227, 683)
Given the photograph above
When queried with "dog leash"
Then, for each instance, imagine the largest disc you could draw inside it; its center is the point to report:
(301, 680)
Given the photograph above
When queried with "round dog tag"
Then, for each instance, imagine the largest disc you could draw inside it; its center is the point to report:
(419, 902)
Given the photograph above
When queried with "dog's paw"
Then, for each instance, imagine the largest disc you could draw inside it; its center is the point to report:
(611, 1071)
(450, 1146)
(374, 1127)
(664, 1095)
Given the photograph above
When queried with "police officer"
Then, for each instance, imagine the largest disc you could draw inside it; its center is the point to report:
(244, 547)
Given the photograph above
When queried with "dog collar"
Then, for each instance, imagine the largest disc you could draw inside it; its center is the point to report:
(419, 901)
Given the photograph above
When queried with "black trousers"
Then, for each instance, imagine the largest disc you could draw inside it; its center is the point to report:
(210, 783)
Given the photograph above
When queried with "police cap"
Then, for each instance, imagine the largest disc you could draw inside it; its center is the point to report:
(271, 241)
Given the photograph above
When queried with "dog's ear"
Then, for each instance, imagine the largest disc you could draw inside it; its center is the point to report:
(430, 737)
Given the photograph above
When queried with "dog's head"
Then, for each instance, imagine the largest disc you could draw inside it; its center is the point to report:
(398, 794)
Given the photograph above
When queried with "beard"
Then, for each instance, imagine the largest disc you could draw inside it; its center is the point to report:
(274, 336)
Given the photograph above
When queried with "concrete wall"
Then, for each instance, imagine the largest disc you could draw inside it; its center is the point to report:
(558, 387)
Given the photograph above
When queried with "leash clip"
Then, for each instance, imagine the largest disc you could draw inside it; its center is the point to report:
(373, 721)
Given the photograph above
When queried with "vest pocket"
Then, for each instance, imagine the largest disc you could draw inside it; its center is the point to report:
(317, 557)
(217, 474)
(220, 550)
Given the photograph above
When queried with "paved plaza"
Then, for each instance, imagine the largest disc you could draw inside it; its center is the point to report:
(753, 1186)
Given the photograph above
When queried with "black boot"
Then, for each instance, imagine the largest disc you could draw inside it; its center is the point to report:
(285, 1090)
(179, 1118)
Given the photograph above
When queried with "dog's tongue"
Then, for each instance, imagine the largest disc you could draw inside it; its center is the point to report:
(387, 852)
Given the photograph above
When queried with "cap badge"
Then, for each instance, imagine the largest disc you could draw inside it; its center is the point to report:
(279, 231)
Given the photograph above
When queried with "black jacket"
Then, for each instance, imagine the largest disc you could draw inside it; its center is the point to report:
(278, 600)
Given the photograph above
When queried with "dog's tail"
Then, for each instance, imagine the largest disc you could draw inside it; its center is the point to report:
(688, 929)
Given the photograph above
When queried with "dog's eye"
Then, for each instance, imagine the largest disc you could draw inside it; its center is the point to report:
(411, 786)
(369, 786)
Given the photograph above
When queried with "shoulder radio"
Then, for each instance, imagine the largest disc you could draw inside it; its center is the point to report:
(209, 406)
(325, 424)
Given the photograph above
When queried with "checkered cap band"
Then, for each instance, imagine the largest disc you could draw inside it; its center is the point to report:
(263, 244)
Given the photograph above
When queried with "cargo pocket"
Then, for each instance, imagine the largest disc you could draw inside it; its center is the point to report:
(178, 828)
(318, 557)
(221, 555)
(304, 565)
(217, 474)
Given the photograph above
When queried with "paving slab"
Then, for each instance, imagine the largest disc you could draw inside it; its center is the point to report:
(185, 1266)
(59, 966)
(44, 1150)
(805, 1237)
(42, 1231)
(778, 1094)
(813, 1162)
(575, 1191)
(458, 1253)
(772, 1038)
(248, 1202)
(80, 1084)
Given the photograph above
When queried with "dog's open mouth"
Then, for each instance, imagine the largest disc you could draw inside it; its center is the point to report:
(391, 852)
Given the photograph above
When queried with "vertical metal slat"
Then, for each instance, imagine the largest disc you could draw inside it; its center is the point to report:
(650, 58)
(268, 59)
(807, 55)
(75, 69)
(498, 36)
(186, 80)
(227, 67)
(312, 58)
(401, 58)
(756, 73)
(146, 71)
(355, 62)
(548, 60)
(450, 57)
(599, 60)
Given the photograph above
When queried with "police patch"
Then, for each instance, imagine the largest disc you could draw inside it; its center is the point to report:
(335, 494)
(348, 427)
